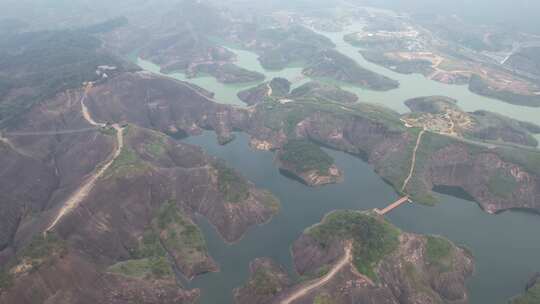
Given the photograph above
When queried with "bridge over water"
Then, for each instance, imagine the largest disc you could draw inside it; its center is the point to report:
(393, 206)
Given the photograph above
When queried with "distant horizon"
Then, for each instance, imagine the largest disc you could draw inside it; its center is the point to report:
(517, 14)
(520, 14)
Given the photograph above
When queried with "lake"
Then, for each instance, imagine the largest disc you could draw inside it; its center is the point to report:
(506, 246)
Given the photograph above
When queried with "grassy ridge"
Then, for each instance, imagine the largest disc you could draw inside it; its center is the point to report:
(277, 116)
(336, 66)
(291, 45)
(47, 63)
(304, 156)
(479, 86)
(264, 282)
(531, 296)
(439, 253)
(41, 250)
(180, 235)
(373, 238)
(148, 259)
(143, 268)
(170, 231)
(231, 184)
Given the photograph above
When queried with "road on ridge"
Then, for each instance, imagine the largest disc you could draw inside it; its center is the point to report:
(344, 261)
(82, 192)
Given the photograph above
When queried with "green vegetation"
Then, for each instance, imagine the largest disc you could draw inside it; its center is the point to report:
(156, 267)
(270, 201)
(280, 86)
(303, 156)
(527, 158)
(531, 296)
(127, 157)
(6, 280)
(291, 45)
(149, 259)
(132, 268)
(129, 161)
(322, 271)
(412, 274)
(418, 280)
(323, 299)
(109, 131)
(401, 66)
(149, 246)
(479, 86)
(431, 143)
(264, 282)
(277, 116)
(231, 184)
(432, 104)
(41, 250)
(336, 66)
(180, 236)
(318, 91)
(439, 253)
(372, 238)
(493, 126)
(502, 185)
(396, 166)
(171, 232)
(43, 247)
(47, 63)
(228, 73)
(160, 267)
(156, 147)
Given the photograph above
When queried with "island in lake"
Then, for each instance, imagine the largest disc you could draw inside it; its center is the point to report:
(355, 256)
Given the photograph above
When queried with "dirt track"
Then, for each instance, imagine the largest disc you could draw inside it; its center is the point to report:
(413, 162)
(344, 261)
(80, 194)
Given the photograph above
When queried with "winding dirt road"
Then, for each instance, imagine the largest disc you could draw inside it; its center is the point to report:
(12, 146)
(269, 91)
(344, 261)
(82, 192)
(413, 162)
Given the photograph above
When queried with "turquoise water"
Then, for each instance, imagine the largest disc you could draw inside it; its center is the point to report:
(506, 246)
(410, 85)
(417, 85)
(227, 93)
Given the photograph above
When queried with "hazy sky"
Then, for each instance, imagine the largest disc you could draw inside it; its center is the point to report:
(523, 14)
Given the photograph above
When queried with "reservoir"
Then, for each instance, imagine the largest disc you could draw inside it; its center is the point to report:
(411, 86)
(416, 85)
(227, 93)
(506, 246)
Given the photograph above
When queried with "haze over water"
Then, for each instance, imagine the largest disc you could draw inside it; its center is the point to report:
(411, 86)
(506, 246)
